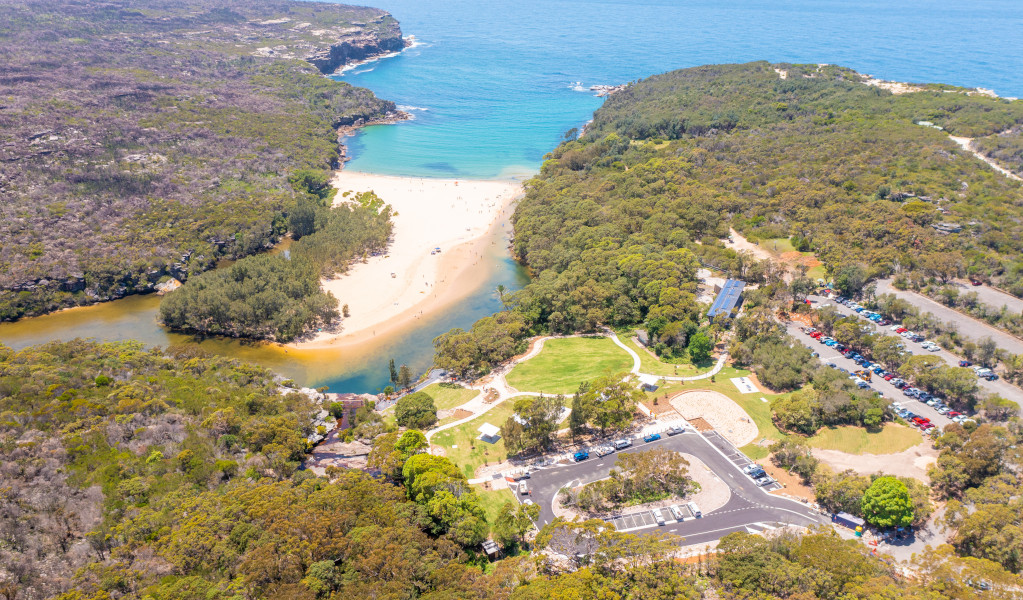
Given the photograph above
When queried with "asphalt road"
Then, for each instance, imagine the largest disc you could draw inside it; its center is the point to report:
(889, 391)
(748, 507)
(968, 326)
(990, 296)
(998, 387)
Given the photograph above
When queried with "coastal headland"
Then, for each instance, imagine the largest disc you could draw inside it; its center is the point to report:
(442, 230)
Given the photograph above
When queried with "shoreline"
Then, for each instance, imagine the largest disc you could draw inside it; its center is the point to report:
(410, 42)
(410, 282)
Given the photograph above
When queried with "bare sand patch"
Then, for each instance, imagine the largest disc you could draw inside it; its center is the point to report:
(412, 280)
(912, 462)
(723, 414)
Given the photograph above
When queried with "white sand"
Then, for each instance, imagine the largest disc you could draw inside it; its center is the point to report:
(453, 215)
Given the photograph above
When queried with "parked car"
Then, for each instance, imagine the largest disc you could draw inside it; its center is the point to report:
(765, 480)
(658, 516)
(676, 512)
(695, 510)
(523, 488)
(676, 429)
(581, 456)
(622, 443)
(653, 437)
(604, 451)
(964, 363)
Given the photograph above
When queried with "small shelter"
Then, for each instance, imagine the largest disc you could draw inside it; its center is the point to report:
(648, 382)
(491, 549)
(489, 433)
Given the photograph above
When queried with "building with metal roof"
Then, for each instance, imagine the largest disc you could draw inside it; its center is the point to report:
(727, 299)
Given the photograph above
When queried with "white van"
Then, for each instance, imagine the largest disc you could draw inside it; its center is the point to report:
(658, 516)
(523, 488)
(695, 510)
(677, 513)
(624, 443)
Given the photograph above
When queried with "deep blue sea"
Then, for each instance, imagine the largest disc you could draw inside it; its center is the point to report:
(493, 85)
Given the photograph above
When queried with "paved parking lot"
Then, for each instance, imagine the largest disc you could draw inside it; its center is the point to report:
(889, 391)
(645, 519)
(733, 454)
(999, 386)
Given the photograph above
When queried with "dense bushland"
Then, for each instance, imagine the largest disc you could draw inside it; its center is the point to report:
(617, 222)
(141, 140)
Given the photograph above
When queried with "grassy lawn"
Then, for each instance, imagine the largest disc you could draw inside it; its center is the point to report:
(462, 447)
(449, 395)
(857, 440)
(565, 363)
(777, 245)
(853, 440)
(649, 363)
(493, 500)
(817, 272)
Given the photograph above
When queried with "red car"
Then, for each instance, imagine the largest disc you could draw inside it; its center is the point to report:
(901, 330)
(889, 376)
(953, 413)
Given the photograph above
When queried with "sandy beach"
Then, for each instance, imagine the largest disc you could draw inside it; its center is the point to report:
(412, 280)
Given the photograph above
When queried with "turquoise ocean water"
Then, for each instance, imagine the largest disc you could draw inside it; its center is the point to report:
(493, 84)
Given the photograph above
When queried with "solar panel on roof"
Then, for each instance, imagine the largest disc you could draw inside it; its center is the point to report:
(727, 298)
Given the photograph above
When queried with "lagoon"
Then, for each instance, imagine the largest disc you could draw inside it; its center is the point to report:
(493, 87)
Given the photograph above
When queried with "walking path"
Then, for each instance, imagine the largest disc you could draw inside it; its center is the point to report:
(967, 144)
(496, 381)
(636, 364)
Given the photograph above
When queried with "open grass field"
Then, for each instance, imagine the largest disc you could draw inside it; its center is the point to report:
(857, 440)
(853, 440)
(493, 500)
(449, 395)
(462, 447)
(650, 363)
(778, 245)
(565, 363)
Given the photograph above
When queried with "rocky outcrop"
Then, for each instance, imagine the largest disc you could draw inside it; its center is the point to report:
(355, 48)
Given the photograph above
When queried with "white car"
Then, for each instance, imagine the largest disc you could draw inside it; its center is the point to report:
(895, 327)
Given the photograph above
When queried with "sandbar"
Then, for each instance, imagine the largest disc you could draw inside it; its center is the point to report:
(412, 279)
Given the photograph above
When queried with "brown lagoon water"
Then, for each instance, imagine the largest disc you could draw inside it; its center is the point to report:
(354, 369)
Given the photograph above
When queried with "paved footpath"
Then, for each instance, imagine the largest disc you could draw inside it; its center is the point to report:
(636, 362)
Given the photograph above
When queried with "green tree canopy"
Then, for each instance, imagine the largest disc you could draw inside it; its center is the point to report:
(416, 410)
(886, 503)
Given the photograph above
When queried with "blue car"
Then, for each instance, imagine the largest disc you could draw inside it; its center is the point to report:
(581, 455)
(653, 437)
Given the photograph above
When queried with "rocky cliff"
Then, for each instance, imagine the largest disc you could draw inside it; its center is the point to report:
(356, 48)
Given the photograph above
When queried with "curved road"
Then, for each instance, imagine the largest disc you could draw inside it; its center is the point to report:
(748, 505)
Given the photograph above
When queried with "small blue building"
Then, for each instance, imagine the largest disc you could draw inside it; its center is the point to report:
(727, 299)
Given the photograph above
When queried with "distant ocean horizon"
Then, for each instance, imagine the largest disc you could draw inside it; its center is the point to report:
(492, 88)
